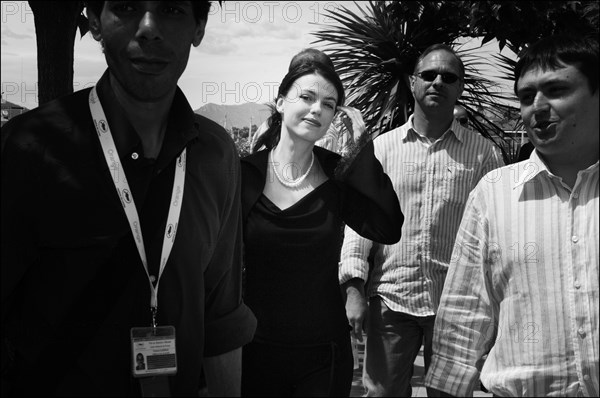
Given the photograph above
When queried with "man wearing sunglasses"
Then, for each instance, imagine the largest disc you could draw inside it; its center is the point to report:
(433, 162)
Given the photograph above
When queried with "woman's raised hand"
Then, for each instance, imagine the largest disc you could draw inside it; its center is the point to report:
(355, 125)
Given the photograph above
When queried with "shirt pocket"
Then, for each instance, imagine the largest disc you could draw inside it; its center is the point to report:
(455, 182)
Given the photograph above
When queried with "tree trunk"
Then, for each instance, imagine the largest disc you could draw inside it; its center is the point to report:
(55, 29)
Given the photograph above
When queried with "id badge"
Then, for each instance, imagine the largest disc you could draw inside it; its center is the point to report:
(153, 351)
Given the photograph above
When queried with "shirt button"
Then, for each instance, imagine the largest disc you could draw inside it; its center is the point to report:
(575, 195)
(575, 238)
(152, 278)
(577, 285)
(134, 156)
(581, 332)
(586, 377)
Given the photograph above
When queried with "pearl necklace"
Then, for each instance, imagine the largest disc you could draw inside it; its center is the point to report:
(294, 183)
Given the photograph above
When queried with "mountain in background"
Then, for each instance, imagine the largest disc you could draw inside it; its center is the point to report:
(238, 116)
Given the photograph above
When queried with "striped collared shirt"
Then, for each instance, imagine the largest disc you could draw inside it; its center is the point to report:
(433, 181)
(523, 286)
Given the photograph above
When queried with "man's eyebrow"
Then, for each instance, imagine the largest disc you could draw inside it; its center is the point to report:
(543, 84)
(527, 87)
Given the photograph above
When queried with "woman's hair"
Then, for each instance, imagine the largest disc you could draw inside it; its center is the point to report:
(270, 137)
(310, 54)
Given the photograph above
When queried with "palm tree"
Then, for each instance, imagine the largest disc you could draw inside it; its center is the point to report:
(376, 52)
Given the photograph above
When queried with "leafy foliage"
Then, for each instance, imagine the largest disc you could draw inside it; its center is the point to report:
(242, 139)
(242, 144)
(517, 23)
(375, 53)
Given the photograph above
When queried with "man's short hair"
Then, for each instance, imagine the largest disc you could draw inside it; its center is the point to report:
(461, 114)
(441, 47)
(201, 8)
(554, 52)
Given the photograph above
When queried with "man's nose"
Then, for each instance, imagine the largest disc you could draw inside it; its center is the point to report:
(540, 103)
(438, 81)
(148, 27)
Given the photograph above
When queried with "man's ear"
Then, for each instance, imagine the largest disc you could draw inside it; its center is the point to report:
(199, 33)
(94, 23)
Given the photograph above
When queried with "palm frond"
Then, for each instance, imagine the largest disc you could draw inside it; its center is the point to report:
(375, 49)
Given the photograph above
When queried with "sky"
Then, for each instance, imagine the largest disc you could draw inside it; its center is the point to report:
(244, 54)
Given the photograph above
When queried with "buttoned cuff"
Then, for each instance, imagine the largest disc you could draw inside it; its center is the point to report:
(229, 332)
(452, 377)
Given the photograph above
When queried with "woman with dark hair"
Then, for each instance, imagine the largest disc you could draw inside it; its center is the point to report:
(295, 203)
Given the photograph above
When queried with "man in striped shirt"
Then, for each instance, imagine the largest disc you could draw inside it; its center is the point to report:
(433, 162)
(523, 282)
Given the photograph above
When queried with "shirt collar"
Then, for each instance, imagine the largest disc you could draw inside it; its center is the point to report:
(459, 131)
(181, 127)
(455, 129)
(535, 166)
(532, 167)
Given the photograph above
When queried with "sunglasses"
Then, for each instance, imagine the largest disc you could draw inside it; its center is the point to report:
(430, 75)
